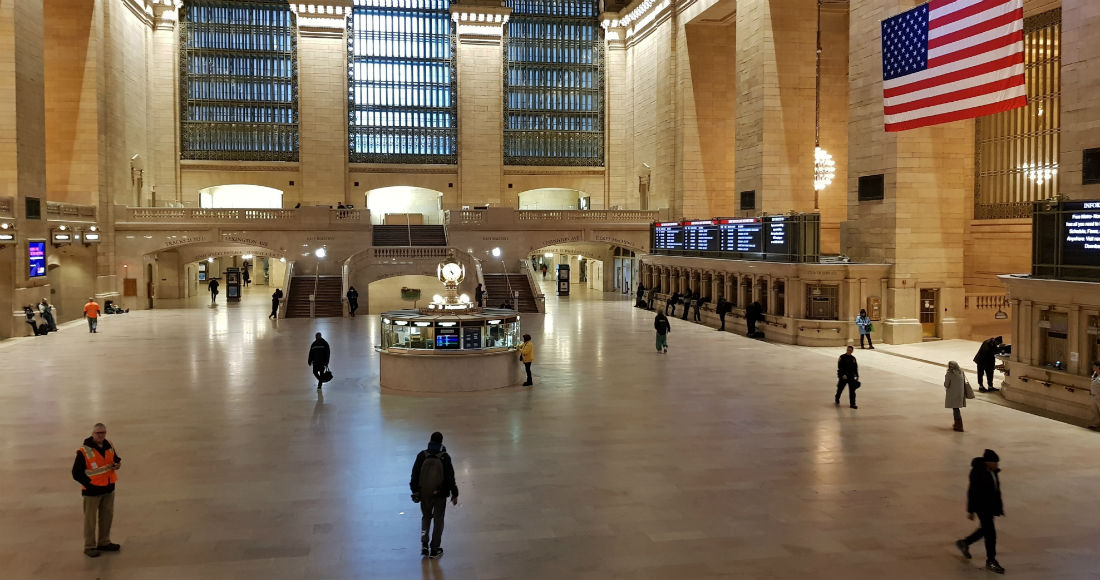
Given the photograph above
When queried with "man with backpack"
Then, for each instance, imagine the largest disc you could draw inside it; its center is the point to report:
(432, 482)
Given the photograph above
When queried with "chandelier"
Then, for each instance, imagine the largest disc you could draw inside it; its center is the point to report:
(1039, 172)
(824, 169)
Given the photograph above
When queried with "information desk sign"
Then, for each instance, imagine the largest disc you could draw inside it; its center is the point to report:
(701, 236)
(668, 236)
(446, 338)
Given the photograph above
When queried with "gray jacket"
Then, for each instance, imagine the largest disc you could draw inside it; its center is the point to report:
(955, 396)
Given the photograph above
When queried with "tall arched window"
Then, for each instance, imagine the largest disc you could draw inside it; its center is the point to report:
(553, 83)
(401, 82)
(238, 81)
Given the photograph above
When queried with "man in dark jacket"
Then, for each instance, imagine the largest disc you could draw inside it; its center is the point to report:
(753, 313)
(983, 498)
(699, 302)
(986, 359)
(353, 300)
(722, 308)
(276, 297)
(213, 287)
(672, 302)
(432, 482)
(95, 470)
(847, 373)
(318, 357)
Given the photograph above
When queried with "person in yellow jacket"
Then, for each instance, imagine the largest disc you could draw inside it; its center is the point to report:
(527, 356)
(95, 470)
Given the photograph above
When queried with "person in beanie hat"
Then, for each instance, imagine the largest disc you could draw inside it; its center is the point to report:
(432, 481)
(983, 498)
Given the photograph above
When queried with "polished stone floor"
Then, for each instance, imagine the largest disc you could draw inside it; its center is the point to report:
(723, 459)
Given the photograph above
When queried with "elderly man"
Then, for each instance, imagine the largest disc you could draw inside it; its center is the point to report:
(95, 469)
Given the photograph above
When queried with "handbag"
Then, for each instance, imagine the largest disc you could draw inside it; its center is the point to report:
(871, 327)
(968, 391)
(855, 384)
(327, 375)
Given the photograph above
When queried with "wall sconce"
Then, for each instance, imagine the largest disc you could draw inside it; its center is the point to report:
(7, 233)
(92, 235)
(61, 236)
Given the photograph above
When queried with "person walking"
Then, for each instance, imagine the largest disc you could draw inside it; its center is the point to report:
(1094, 390)
(983, 497)
(432, 482)
(353, 300)
(847, 374)
(986, 359)
(957, 388)
(276, 297)
(865, 327)
(319, 354)
(91, 312)
(46, 311)
(29, 313)
(213, 287)
(479, 296)
(527, 356)
(672, 302)
(661, 325)
(96, 470)
(722, 308)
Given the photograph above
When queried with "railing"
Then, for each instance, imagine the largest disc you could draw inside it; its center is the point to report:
(347, 215)
(532, 281)
(985, 301)
(286, 289)
(69, 211)
(471, 217)
(206, 215)
(411, 252)
(612, 216)
(1011, 210)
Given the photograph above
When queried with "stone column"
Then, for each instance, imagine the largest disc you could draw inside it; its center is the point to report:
(775, 71)
(164, 102)
(1080, 54)
(619, 185)
(664, 280)
(726, 291)
(714, 285)
(480, 26)
(322, 103)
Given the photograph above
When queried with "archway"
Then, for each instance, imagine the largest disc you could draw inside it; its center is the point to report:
(179, 277)
(553, 198)
(594, 265)
(240, 195)
(402, 204)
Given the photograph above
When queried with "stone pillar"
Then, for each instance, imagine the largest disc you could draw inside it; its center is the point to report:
(775, 71)
(714, 286)
(664, 280)
(323, 118)
(928, 174)
(727, 293)
(1080, 54)
(164, 102)
(480, 26)
(619, 186)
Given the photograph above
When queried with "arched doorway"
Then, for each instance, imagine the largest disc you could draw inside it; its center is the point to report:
(402, 204)
(240, 195)
(553, 198)
(179, 277)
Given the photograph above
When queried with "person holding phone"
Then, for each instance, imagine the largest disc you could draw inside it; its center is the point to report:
(96, 470)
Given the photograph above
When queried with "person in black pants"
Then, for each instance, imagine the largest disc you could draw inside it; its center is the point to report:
(672, 302)
(688, 299)
(276, 297)
(847, 374)
(640, 302)
(699, 302)
(353, 300)
(30, 319)
(753, 313)
(432, 482)
(986, 359)
(652, 297)
(983, 498)
(319, 354)
(722, 308)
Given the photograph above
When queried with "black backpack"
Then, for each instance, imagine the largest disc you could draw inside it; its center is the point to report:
(431, 474)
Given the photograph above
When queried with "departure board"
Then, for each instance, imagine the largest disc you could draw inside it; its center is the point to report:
(701, 235)
(668, 236)
(1081, 233)
(777, 240)
(741, 235)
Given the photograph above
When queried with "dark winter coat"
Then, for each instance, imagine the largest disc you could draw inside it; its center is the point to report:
(984, 494)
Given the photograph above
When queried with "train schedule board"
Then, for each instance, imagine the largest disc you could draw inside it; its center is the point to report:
(701, 236)
(741, 235)
(668, 236)
(777, 238)
(1081, 233)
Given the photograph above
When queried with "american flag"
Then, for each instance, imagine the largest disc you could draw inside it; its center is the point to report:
(952, 59)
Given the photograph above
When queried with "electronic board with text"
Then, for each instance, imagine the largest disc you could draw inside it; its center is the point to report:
(773, 238)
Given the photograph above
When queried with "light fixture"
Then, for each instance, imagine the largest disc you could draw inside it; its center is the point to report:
(210, 260)
(61, 236)
(246, 256)
(824, 168)
(548, 255)
(283, 260)
(496, 252)
(1039, 172)
(320, 252)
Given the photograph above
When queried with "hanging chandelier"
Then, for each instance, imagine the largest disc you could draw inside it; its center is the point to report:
(824, 168)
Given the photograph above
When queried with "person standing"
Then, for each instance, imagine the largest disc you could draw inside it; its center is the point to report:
(847, 374)
(46, 311)
(213, 287)
(661, 325)
(956, 386)
(753, 313)
(319, 354)
(672, 302)
(640, 302)
(29, 313)
(688, 299)
(276, 297)
(432, 482)
(353, 300)
(699, 302)
(983, 497)
(863, 322)
(1094, 390)
(91, 312)
(722, 308)
(652, 297)
(96, 470)
(479, 296)
(527, 356)
(986, 359)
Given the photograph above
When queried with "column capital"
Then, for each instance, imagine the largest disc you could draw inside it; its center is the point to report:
(165, 13)
(480, 24)
(322, 18)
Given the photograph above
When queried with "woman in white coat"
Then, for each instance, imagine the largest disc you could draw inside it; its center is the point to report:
(955, 385)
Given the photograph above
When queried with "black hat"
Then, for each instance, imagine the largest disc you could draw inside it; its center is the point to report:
(990, 455)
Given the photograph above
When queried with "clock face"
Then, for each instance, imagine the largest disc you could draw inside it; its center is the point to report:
(452, 271)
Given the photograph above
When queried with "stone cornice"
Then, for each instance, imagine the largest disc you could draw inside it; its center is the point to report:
(638, 19)
(327, 19)
(166, 13)
(142, 9)
(480, 24)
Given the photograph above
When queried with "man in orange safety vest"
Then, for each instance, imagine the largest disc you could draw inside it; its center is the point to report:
(96, 470)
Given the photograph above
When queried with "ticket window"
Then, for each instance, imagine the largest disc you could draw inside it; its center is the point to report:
(1053, 339)
(762, 294)
(780, 298)
(822, 302)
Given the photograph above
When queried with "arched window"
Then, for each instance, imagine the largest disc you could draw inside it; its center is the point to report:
(401, 83)
(238, 81)
(553, 83)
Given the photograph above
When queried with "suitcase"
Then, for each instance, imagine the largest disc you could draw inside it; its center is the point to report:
(43, 328)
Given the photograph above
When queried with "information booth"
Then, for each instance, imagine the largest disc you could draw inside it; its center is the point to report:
(563, 279)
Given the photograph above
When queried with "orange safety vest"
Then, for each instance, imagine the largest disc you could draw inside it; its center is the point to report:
(97, 466)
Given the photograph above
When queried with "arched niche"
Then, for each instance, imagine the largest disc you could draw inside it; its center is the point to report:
(240, 195)
(403, 204)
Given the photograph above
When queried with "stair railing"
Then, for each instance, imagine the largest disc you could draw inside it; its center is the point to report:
(532, 281)
(289, 277)
(313, 297)
(408, 226)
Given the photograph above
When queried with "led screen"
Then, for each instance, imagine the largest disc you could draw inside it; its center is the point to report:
(36, 259)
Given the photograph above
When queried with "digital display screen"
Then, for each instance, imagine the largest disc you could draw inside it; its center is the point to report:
(777, 241)
(741, 235)
(471, 337)
(446, 338)
(701, 236)
(668, 236)
(1081, 233)
(36, 259)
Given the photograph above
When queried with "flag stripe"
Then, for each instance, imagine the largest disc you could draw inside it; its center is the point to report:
(972, 80)
(938, 21)
(977, 49)
(996, 26)
(963, 104)
(939, 8)
(958, 70)
(940, 97)
(970, 21)
(958, 115)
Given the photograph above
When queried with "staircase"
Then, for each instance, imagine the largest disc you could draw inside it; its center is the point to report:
(328, 299)
(497, 287)
(429, 236)
(391, 236)
(409, 235)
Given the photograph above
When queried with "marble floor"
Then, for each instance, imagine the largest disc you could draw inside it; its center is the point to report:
(723, 459)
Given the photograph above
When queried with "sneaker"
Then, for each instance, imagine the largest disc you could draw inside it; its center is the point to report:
(993, 566)
(109, 547)
(436, 553)
(965, 549)
(527, 384)
(91, 553)
(983, 390)
(424, 551)
(993, 389)
(853, 406)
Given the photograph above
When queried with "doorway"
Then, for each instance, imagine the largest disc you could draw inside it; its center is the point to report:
(928, 311)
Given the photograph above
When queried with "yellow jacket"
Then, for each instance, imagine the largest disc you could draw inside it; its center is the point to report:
(527, 352)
